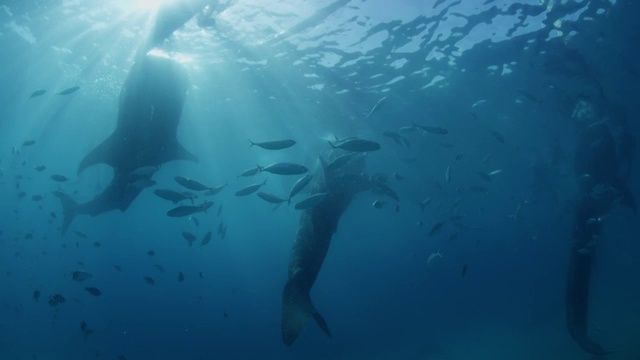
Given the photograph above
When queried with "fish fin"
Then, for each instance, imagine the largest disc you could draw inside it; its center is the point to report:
(70, 209)
(297, 309)
(251, 143)
(333, 146)
(99, 155)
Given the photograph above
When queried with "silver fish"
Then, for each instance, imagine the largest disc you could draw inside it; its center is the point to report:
(250, 172)
(285, 169)
(181, 211)
(338, 162)
(206, 238)
(377, 106)
(274, 145)
(250, 189)
(311, 201)
(299, 185)
(80, 275)
(191, 184)
(271, 198)
(356, 145)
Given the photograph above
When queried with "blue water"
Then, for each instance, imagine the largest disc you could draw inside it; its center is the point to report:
(312, 71)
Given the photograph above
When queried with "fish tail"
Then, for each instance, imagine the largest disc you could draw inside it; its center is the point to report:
(70, 209)
(251, 143)
(333, 146)
(260, 168)
(297, 309)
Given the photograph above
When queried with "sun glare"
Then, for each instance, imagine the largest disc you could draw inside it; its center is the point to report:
(144, 5)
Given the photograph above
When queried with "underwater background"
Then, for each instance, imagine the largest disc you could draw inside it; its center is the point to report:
(501, 76)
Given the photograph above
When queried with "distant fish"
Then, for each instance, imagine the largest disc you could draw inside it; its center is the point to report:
(274, 145)
(496, 135)
(436, 130)
(484, 176)
(398, 177)
(56, 299)
(433, 257)
(459, 157)
(58, 178)
(36, 295)
(464, 270)
(149, 280)
(214, 190)
(28, 143)
(171, 195)
(250, 172)
(186, 210)
(83, 326)
(191, 238)
(496, 172)
(356, 145)
(37, 93)
(311, 201)
(437, 228)
(93, 291)
(160, 268)
(486, 158)
(378, 204)
(285, 168)
(270, 198)
(191, 184)
(151, 253)
(80, 275)
(195, 220)
(377, 106)
(37, 198)
(338, 162)
(397, 138)
(117, 267)
(97, 244)
(447, 174)
(69, 90)
(80, 234)
(201, 275)
(299, 185)
(424, 203)
(250, 189)
(206, 239)
(40, 168)
(180, 277)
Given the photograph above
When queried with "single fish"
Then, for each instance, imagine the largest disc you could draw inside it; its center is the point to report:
(58, 178)
(433, 257)
(37, 198)
(180, 277)
(299, 185)
(250, 172)
(274, 145)
(271, 198)
(464, 270)
(93, 291)
(83, 326)
(36, 295)
(37, 93)
(56, 299)
(185, 210)
(496, 135)
(338, 162)
(151, 253)
(436, 130)
(311, 201)
(378, 204)
(356, 145)
(191, 238)
(28, 143)
(377, 106)
(250, 189)
(191, 184)
(447, 174)
(40, 168)
(459, 157)
(195, 220)
(173, 196)
(437, 228)
(215, 190)
(285, 169)
(149, 280)
(397, 138)
(398, 177)
(423, 204)
(68, 91)
(206, 239)
(160, 268)
(117, 267)
(80, 275)
(496, 172)
(80, 234)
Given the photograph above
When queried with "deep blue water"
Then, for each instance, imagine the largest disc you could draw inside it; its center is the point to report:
(312, 71)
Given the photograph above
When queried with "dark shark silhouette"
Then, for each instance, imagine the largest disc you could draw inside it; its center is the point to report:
(316, 228)
(596, 165)
(150, 107)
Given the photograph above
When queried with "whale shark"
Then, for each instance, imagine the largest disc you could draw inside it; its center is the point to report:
(316, 228)
(596, 165)
(149, 112)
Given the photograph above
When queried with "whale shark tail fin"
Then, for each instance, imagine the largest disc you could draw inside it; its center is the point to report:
(297, 308)
(70, 209)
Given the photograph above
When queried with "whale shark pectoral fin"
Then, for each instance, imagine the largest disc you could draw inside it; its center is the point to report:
(99, 155)
(178, 152)
(297, 309)
(322, 323)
